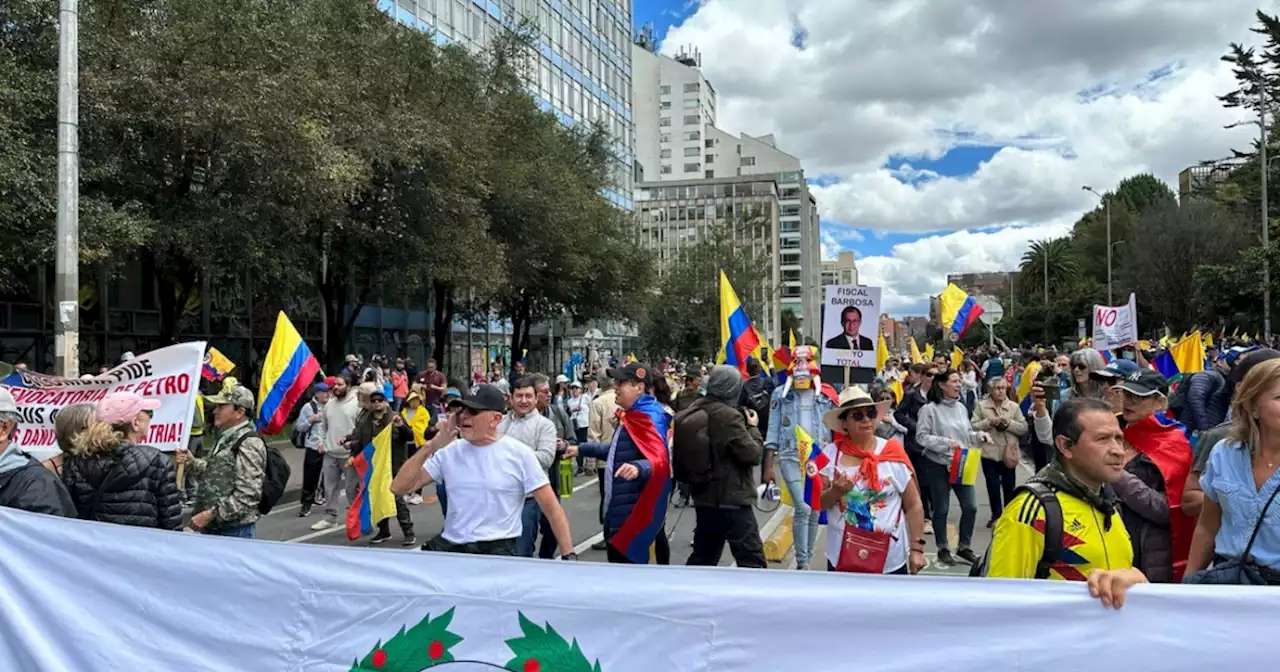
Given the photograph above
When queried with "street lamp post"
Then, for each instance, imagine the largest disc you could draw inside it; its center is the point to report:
(1266, 233)
(1107, 203)
(67, 259)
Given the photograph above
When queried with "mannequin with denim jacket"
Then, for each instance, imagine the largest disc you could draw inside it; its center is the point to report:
(802, 400)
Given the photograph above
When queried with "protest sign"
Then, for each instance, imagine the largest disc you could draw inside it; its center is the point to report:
(214, 603)
(170, 374)
(1115, 326)
(850, 326)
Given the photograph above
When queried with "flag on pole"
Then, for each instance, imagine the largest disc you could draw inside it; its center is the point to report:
(737, 336)
(957, 358)
(374, 502)
(1185, 357)
(916, 357)
(882, 355)
(287, 371)
(959, 310)
(216, 365)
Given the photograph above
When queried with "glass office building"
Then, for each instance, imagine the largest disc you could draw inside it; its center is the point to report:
(582, 72)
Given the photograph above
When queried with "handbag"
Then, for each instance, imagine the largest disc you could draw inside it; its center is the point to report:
(1244, 570)
(862, 551)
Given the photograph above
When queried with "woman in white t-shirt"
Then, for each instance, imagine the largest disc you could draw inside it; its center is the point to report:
(868, 482)
(488, 476)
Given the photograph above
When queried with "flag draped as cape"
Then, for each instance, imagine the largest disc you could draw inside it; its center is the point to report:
(1165, 442)
(646, 422)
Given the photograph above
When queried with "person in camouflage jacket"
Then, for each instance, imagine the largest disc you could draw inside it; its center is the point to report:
(231, 474)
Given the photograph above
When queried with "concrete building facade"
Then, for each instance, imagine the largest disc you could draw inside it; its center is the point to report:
(994, 284)
(842, 270)
(675, 215)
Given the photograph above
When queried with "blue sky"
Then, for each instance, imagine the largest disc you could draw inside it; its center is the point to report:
(957, 162)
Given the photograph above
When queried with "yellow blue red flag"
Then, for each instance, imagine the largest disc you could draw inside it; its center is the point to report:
(216, 365)
(959, 310)
(374, 502)
(287, 371)
(738, 337)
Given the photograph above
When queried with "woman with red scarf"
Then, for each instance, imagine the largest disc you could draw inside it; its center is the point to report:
(1149, 433)
(875, 517)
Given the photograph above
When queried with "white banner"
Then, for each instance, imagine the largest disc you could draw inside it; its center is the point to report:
(170, 374)
(80, 596)
(1115, 326)
(850, 326)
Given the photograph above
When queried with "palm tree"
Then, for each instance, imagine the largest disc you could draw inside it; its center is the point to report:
(1054, 259)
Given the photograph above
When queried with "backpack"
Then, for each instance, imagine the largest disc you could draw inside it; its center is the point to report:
(692, 460)
(1048, 499)
(275, 476)
(298, 437)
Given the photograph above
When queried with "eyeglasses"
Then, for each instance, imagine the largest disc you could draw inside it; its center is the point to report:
(1080, 366)
(860, 415)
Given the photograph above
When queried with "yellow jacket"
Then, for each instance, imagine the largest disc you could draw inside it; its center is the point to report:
(418, 423)
(1018, 541)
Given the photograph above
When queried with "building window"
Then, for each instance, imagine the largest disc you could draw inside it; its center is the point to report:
(690, 103)
(692, 167)
(664, 122)
(664, 138)
(692, 151)
(665, 170)
(710, 144)
(693, 87)
(711, 174)
(664, 105)
(790, 292)
(691, 120)
(693, 136)
(664, 154)
(710, 158)
(666, 90)
(747, 161)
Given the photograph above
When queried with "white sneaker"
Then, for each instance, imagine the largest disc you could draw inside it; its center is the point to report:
(413, 499)
(323, 525)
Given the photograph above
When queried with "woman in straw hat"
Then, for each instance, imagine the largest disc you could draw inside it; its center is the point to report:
(875, 517)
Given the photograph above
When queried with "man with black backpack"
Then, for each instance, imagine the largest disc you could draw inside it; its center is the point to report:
(757, 392)
(1064, 524)
(716, 448)
(232, 474)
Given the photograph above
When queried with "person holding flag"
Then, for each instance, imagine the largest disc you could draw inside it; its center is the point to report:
(875, 517)
(365, 462)
(800, 403)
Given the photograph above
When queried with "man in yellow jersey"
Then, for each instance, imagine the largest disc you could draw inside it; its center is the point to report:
(1068, 498)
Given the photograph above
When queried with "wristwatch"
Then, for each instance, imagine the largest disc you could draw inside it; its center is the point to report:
(571, 557)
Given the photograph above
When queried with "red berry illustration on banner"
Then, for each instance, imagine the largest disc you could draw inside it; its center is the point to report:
(429, 644)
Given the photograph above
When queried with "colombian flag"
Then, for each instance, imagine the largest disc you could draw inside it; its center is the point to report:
(1185, 357)
(737, 335)
(287, 372)
(374, 502)
(964, 467)
(882, 354)
(1023, 388)
(814, 461)
(216, 365)
(916, 357)
(647, 424)
(959, 310)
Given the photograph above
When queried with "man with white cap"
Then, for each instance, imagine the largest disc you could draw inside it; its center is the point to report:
(24, 482)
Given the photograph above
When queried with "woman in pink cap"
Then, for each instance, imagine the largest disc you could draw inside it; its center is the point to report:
(115, 479)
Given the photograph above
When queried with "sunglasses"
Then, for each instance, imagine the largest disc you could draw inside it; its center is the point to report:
(860, 415)
(930, 374)
(150, 414)
(1080, 366)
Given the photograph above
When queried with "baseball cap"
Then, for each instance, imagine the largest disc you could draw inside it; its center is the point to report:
(238, 396)
(1145, 383)
(562, 378)
(577, 384)
(7, 404)
(331, 381)
(634, 372)
(350, 358)
(322, 386)
(1120, 368)
(486, 398)
(118, 408)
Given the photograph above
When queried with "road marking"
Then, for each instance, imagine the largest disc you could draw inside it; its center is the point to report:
(585, 484)
(318, 534)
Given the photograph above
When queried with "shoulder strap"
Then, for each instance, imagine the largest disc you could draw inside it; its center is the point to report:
(235, 447)
(1048, 499)
(1245, 557)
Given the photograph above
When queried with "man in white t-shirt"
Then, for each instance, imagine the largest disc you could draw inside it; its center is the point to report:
(488, 476)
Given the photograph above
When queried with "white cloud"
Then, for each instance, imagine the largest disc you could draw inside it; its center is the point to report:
(1077, 91)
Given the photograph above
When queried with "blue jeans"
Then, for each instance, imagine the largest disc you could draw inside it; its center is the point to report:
(805, 518)
(940, 490)
(528, 528)
(241, 531)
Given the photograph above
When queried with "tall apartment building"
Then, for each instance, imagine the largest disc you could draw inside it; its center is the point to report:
(581, 71)
(674, 215)
(677, 140)
(842, 270)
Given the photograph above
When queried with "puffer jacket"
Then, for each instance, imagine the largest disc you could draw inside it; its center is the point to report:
(34, 488)
(621, 495)
(1208, 397)
(1145, 512)
(908, 415)
(130, 484)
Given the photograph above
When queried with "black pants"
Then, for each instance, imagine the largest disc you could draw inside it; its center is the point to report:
(495, 547)
(919, 463)
(661, 550)
(1040, 454)
(548, 545)
(1000, 485)
(600, 486)
(402, 517)
(737, 527)
(312, 464)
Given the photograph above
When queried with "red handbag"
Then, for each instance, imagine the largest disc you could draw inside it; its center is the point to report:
(862, 551)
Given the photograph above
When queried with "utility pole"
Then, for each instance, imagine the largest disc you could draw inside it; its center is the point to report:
(1110, 298)
(1266, 233)
(67, 261)
(471, 328)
